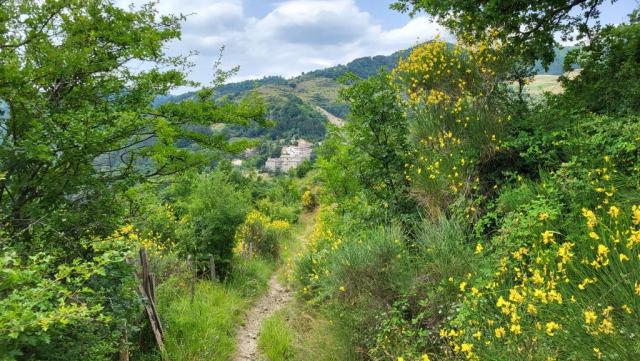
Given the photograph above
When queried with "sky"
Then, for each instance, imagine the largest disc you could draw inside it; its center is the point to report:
(288, 37)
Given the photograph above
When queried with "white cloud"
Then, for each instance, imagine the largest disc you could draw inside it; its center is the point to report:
(295, 36)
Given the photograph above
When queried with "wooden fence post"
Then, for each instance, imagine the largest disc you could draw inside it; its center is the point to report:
(192, 283)
(212, 268)
(147, 290)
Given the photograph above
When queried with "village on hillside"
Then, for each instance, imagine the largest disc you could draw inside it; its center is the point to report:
(290, 157)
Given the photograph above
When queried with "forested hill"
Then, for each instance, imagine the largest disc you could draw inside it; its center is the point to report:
(293, 103)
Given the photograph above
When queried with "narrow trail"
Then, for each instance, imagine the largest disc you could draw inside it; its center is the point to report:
(247, 338)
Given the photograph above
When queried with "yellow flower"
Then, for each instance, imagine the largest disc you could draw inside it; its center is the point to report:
(606, 327)
(594, 235)
(479, 248)
(499, 332)
(591, 218)
(564, 252)
(636, 215)
(126, 229)
(637, 288)
(614, 211)
(425, 357)
(543, 216)
(342, 289)
(597, 352)
(623, 257)
(551, 328)
(466, 347)
(463, 285)
(547, 237)
(603, 250)
(590, 317)
(516, 329)
(400, 358)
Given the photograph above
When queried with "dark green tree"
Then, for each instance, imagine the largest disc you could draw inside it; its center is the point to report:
(528, 27)
(609, 78)
(376, 131)
(78, 79)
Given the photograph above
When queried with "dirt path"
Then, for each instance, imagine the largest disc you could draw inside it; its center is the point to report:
(247, 338)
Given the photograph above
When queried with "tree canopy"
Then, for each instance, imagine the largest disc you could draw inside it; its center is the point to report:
(78, 79)
(528, 27)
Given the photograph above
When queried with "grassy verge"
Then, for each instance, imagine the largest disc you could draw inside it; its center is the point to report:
(276, 338)
(298, 332)
(205, 328)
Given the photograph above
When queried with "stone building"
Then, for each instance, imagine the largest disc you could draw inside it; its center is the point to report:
(290, 157)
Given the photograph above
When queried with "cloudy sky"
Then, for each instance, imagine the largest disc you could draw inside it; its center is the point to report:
(287, 37)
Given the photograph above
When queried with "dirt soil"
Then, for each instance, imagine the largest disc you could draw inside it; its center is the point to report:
(247, 338)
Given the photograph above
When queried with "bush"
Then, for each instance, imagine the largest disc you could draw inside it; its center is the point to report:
(56, 310)
(260, 234)
(216, 208)
(309, 200)
(359, 274)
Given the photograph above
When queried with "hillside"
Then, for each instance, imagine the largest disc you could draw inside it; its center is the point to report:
(300, 105)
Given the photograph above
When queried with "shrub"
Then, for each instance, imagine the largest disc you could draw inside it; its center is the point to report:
(359, 274)
(455, 116)
(261, 235)
(55, 310)
(309, 200)
(216, 209)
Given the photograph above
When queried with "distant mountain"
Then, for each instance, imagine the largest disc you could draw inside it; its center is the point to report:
(557, 66)
(299, 105)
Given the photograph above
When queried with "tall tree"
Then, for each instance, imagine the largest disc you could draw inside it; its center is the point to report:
(77, 80)
(527, 27)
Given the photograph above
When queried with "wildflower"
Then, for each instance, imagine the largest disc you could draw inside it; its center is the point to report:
(606, 327)
(614, 211)
(342, 289)
(551, 328)
(425, 357)
(463, 285)
(400, 358)
(543, 216)
(603, 250)
(597, 352)
(590, 317)
(636, 215)
(126, 229)
(637, 288)
(623, 257)
(479, 248)
(477, 335)
(516, 329)
(583, 285)
(564, 252)
(591, 218)
(499, 332)
(466, 347)
(594, 235)
(537, 278)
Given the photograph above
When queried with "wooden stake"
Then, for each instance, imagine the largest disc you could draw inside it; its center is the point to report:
(212, 268)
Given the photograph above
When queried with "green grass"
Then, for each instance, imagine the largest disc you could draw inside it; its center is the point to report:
(276, 338)
(205, 328)
(317, 338)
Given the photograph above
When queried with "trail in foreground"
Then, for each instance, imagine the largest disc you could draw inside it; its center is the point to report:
(247, 337)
